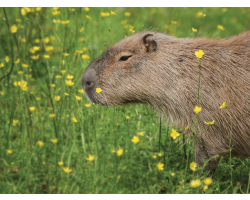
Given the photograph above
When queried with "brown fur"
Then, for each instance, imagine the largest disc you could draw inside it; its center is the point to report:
(167, 78)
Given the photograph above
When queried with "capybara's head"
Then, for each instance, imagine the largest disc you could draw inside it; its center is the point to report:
(127, 72)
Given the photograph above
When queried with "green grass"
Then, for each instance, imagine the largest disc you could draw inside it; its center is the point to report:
(99, 130)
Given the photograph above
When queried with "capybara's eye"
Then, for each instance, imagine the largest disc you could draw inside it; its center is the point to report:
(124, 58)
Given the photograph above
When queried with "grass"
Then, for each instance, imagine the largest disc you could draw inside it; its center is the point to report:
(30, 168)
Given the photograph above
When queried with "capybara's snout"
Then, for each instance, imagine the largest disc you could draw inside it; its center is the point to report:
(88, 83)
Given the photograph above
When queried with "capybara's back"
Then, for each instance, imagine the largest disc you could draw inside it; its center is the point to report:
(161, 70)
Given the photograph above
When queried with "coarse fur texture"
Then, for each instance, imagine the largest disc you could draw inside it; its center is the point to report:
(160, 70)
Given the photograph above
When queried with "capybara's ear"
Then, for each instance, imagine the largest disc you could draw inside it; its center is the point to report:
(149, 42)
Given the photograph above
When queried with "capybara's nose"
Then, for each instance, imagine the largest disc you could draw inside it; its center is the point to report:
(88, 79)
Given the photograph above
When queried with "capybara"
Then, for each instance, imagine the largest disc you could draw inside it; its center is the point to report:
(162, 71)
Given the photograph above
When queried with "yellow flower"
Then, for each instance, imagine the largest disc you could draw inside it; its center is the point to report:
(36, 48)
(209, 123)
(15, 122)
(123, 22)
(223, 105)
(24, 87)
(78, 98)
(160, 166)
(174, 134)
(55, 8)
(38, 98)
(120, 152)
(25, 10)
(35, 57)
(86, 9)
(60, 163)
(98, 90)
(72, 9)
(127, 117)
(40, 143)
(1, 65)
(84, 49)
(194, 30)
(199, 54)
(224, 10)
(49, 48)
(46, 56)
(113, 151)
(57, 98)
(193, 166)
(74, 119)
(195, 183)
(160, 154)
(131, 30)
(105, 14)
(7, 59)
(112, 13)
(199, 14)
(172, 174)
(70, 77)
(69, 82)
(208, 181)
(127, 14)
(52, 115)
(90, 158)
(197, 109)
(56, 12)
(88, 17)
(81, 30)
(81, 39)
(63, 71)
(85, 57)
(23, 40)
(18, 20)
(57, 21)
(66, 94)
(220, 27)
(154, 156)
(38, 8)
(20, 72)
(81, 91)
(65, 22)
(46, 40)
(2, 93)
(13, 29)
(58, 76)
(141, 133)
(205, 188)
(32, 108)
(67, 170)
(25, 65)
(53, 85)
(135, 139)
(52, 38)
(186, 127)
(66, 54)
(9, 151)
(37, 41)
(54, 140)
(174, 22)
(88, 105)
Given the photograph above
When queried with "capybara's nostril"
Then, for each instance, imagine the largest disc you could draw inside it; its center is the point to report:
(88, 79)
(88, 83)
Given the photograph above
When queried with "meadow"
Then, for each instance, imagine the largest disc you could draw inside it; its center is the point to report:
(53, 140)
